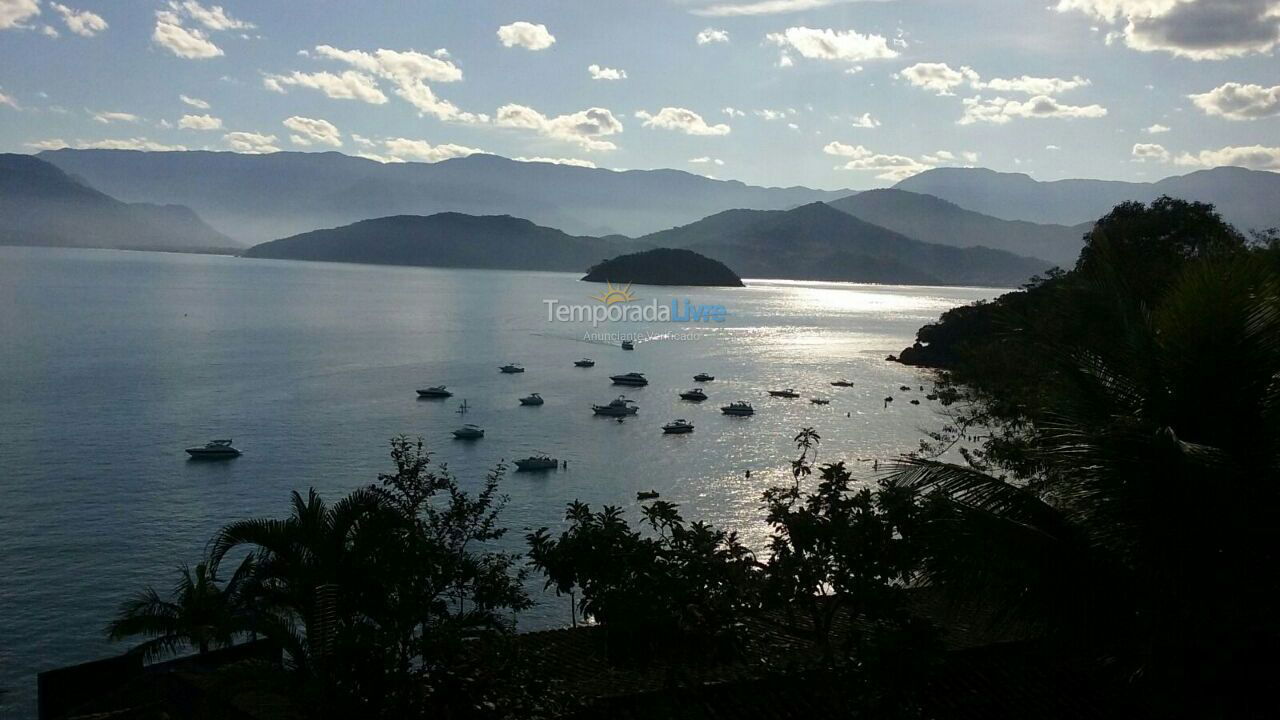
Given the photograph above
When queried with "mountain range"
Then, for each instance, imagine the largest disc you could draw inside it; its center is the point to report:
(42, 205)
(255, 198)
(1249, 199)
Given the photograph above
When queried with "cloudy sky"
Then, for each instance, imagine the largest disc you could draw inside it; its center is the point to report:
(825, 93)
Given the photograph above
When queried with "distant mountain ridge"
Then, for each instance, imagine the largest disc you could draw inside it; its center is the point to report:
(819, 242)
(263, 197)
(1249, 199)
(41, 205)
(934, 220)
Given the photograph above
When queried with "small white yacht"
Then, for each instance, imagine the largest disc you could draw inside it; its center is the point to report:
(436, 391)
(738, 408)
(532, 399)
(695, 395)
(537, 462)
(677, 427)
(618, 407)
(511, 368)
(631, 378)
(213, 450)
(788, 393)
(584, 362)
(469, 432)
(703, 377)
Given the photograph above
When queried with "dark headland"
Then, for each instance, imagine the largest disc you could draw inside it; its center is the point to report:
(664, 266)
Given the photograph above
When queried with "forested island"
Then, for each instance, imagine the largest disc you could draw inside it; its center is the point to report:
(664, 266)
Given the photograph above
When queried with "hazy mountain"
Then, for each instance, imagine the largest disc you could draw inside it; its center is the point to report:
(445, 240)
(1249, 199)
(42, 205)
(819, 242)
(932, 219)
(260, 197)
(664, 266)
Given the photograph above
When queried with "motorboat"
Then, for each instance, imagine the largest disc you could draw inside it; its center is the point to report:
(738, 408)
(841, 383)
(584, 362)
(703, 377)
(628, 345)
(511, 369)
(820, 401)
(788, 393)
(677, 427)
(437, 391)
(214, 450)
(469, 432)
(631, 378)
(695, 395)
(532, 399)
(537, 462)
(618, 407)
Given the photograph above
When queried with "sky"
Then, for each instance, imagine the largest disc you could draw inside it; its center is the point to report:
(824, 93)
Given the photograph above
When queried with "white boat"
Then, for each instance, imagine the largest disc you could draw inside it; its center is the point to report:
(214, 449)
(677, 427)
(618, 407)
(703, 377)
(509, 369)
(537, 462)
(532, 399)
(695, 395)
(436, 391)
(628, 345)
(469, 432)
(788, 393)
(631, 378)
(584, 362)
(738, 408)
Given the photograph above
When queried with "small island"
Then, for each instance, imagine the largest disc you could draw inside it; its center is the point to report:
(665, 266)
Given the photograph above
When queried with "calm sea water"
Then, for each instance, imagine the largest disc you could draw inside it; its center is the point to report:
(112, 362)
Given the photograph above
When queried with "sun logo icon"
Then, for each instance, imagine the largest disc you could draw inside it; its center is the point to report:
(614, 294)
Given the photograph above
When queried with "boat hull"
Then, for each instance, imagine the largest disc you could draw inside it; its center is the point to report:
(202, 454)
(677, 430)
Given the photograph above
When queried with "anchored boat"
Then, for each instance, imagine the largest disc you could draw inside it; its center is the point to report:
(511, 369)
(584, 362)
(537, 462)
(677, 427)
(214, 450)
(469, 432)
(618, 407)
(532, 399)
(632, 378)
(695, 395)
(703, 377)
(437, 391)
(738, 408)
(788, 393)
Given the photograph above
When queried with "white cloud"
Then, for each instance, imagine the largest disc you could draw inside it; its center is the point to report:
(212, 17)
(575, 162)
(250, 142)
(938, 77)
(1143, 152)
(1254, 157)
(732, 112)
(712, 35)
(843, 46)
(200, 122)
(1234, 101)
(606, 73)
(8, 100)
(866, 121)
(194, 102)
(1001, 110)
(1052, 148)
(584, 128)
(888, 167)
(80, 22)
(404, 149)
(762, 7)
(767, 114)
(395, 64)
(350, 85)
(138, 143)
(311, 131)
(681, 120)
(1035, 85)
(49, 31)
(111, 117)
(1156, 129)
(526, 35)
(704, 160)
(1195, 29)
(189, 43)
(13, 13)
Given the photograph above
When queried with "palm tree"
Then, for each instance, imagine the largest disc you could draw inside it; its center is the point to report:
(198, 613)
(1144, 533)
